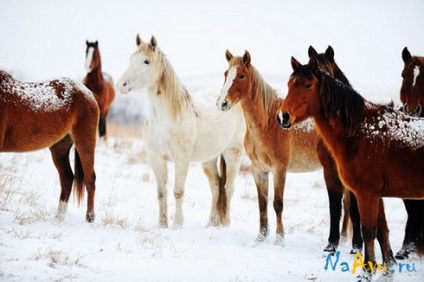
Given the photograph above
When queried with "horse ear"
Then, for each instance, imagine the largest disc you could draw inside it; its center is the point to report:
(153, 43)
(96, 43)
(138, 39)
(228, 55)
(86, 42)
(295, 64)
(313, 64)
(246, 58)
(312, 52)
(406, 55)
(329, 53)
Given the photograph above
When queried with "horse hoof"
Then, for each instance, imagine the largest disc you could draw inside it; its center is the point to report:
(262, 236)
(90, 216)
(355, 249)
(364, 277)
(279, 239)
(330, 249)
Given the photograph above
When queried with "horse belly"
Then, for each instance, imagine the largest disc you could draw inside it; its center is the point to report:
(35, 134)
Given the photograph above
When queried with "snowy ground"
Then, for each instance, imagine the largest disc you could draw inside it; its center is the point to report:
(43, 39)
(125, 243)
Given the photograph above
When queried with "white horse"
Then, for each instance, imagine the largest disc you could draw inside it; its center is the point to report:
(184, 128)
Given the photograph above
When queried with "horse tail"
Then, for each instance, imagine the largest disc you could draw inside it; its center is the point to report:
(221, 204)
(79, 178)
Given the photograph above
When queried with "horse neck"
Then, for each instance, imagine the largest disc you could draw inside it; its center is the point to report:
(259, 106)
(168, 98)
(95, 77)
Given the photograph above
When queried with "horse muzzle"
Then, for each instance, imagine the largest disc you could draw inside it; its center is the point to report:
(415, 112)
(223, 105)
(283, 120)
(124, 86)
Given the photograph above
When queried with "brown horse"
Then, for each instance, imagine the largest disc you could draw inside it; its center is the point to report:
(100, 83)
(412, 90)
(54, 114)
(336, 190)
(296, 149)
(379, 152)
(412, 96)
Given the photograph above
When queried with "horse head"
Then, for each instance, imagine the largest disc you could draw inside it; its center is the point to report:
(237, 81)
(92, 56)
(412, 89)
(145, 66)
(302, 99)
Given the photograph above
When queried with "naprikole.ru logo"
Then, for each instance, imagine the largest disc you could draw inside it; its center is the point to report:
(334, 263)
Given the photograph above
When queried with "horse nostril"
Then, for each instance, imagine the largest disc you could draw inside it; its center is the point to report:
(224, 104)
(286, 117)
(125, 84)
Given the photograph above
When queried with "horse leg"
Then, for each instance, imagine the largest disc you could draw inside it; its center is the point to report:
(357, 241)
(368, 205)
(335, 190)
(335, 196)
(160, 170)
(181, 170)
(346, 214)
(279, 183)
(413, 224)
(232, 157)
(383, 237)
(60, 155)
(102, 125)
(84, 135)
(261, 181)
(211, 171)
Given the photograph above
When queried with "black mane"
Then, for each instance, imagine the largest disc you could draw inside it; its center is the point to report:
(340, 101)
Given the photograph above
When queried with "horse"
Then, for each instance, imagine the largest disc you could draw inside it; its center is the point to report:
(100, 83)
(55, 114)
(412, 89)
(378, 150)
(412, 97)
(269, 149)
(182, 128)
(336, 190)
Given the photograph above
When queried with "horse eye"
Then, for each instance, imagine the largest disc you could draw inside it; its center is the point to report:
(146, 62)
(308, 85)
(241, 76)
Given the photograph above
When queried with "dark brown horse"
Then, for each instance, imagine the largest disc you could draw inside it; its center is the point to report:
(336, 190)
(412, 96)
(54, 114)
(100, 83)
(379, 152)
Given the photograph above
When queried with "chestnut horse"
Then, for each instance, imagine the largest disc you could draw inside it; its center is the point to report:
(335, 187)
(269, 148)
(100, 83)
(412, 96)
(379, 152)
(54, 114)
(182, 128)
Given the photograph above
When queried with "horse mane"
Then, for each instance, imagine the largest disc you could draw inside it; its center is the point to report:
(268, 94)
(332, 68)
(169, 85)
(340, 101)
(5, 76)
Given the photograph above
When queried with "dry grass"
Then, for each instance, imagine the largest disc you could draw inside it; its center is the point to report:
(118, 130)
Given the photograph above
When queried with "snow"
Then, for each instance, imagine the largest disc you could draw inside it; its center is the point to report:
(393, 124)
(44, 39)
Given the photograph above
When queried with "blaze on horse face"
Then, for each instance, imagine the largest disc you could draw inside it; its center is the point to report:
(412, 89)
(237, 82)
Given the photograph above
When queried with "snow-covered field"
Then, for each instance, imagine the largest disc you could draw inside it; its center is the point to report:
(43, 39)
